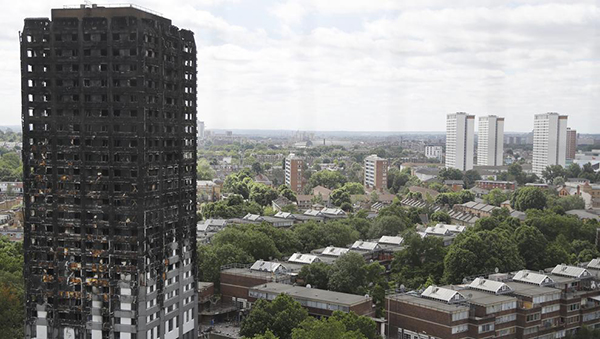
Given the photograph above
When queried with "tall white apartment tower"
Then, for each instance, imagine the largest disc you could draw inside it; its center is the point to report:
(490, 141)
(549, 141)
(459, 140)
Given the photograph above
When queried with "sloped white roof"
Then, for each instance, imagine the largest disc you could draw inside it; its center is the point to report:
(442, 294)
(535, 278)
(594, 264)
(252, 217)
(432, 230)
(312, 212)
(386, 239)
(267, 266)
(492, 286)
(451, 228)
(284, 215)
(365, 245)
(571, 271)
(332, 211)
(335, 251)
(303, 258)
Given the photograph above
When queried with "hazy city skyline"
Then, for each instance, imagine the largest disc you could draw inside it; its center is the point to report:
(371, 66)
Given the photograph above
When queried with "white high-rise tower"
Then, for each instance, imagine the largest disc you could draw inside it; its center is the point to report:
(459, 140)
(490, 141)
(549, 141)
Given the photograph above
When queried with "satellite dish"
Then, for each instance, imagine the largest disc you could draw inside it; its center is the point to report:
(366, 296)
(594, 285)
(308, 286)
(496, 270)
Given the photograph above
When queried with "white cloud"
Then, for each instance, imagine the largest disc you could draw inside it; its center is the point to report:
(406, 65)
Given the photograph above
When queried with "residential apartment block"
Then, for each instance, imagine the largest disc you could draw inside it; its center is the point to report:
(571, 143)
(293, 173)
(375, 176)
(524, 304)
(549, 141)
(460, 141)
(109, 168)
(490, 141)
(434, 152)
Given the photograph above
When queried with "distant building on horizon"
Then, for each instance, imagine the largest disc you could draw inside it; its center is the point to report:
(375, 177)
(201, 130)
(549, 141)
(571, 143)
(293, 172)
(460, 134)
(490, 141)
(434, 152)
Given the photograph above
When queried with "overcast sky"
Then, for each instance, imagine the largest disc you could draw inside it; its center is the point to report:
(370, 65)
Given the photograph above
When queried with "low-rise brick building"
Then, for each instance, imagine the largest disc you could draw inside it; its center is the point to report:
(317, 302)
(525, 304)
(491, 184)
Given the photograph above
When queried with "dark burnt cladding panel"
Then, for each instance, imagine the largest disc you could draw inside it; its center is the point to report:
(109, 165)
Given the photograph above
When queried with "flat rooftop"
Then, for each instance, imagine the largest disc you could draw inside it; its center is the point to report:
(429, 303)
(530, 290)
(313, 294)
(110, 10)
(481, 298)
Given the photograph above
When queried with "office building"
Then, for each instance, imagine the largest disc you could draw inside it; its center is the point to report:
(490, 141)
(434, 152)
(549, 141)
(375, 173)
(459, 141)
(293, 172)
(109, 167)
(571, 143)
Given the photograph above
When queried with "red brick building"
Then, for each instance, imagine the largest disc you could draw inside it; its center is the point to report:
(491, 184)
(524, 305)
(317, 302)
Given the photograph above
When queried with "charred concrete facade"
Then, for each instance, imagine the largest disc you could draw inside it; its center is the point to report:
(109, 158)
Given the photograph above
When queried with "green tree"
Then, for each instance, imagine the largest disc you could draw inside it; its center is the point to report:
(480, 252)
(573, 171)
(329, 179)
(450, 174)
(313, 235)
(280, 316)
(285, 191)
(387, 225)
(325, 328)
(553, 171)
(348, 274)
(417, 260)
(255, 243)
(528, 198)
(205, 172)
(266, 335)
(353, 322)
(441, 216)
(12, 301)
(495, 197)
(340, 196)
(354, 188)
(262, 194)
(571, 202)
(257, 168)
(470, 177)
(531, 244)
(212, 257)
(315, 275)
